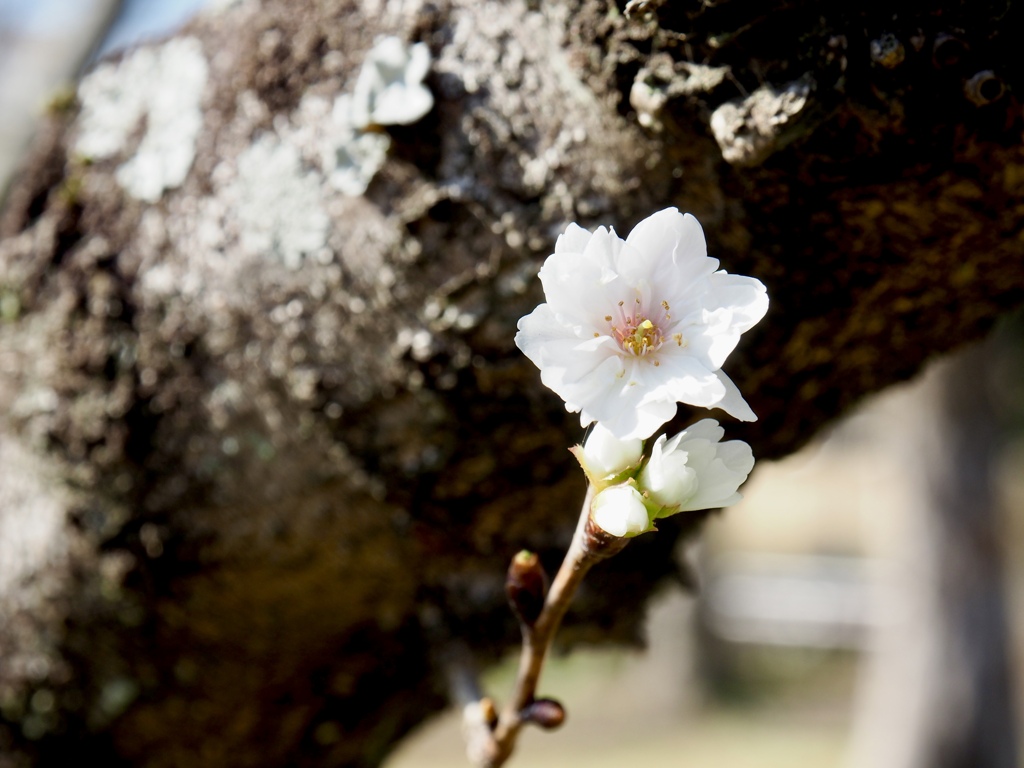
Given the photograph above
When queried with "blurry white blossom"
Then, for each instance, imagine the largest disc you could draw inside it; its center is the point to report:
(390, 90)
(695, 470)
(631, 327)
(351, 156)
(620, 511)
(605, 455)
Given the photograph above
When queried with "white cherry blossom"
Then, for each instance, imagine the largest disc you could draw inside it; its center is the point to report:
(695, 470)
(631, 327)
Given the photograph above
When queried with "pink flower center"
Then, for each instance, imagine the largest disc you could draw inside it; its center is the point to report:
(638, 335)
(639, 332)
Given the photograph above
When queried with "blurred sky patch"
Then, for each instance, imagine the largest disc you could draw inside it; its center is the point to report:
(139, 19)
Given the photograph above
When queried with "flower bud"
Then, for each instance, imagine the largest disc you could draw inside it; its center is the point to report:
(695, 470)
(547, 713)
(526, 585)
(666, 478)
(604, 454)
(620, 511)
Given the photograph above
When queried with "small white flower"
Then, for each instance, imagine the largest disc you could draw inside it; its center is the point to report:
(351, 156)
(620, 511)
(390, 90)
(695, 470)
(357, 161)
(604, 454)
(631, 327)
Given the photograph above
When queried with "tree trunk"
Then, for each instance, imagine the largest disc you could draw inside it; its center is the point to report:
(939, 688)
(267, 447)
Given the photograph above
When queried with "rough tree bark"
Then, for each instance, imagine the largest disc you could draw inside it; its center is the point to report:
(265, 448)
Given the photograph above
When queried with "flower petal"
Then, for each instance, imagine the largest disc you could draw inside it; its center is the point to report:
(400, 105)
(603, 248)
(718, 483)
(673, 252)
(648, 419)
(746, 298)
(737, 456)
(581, 288)
(419, 63)
(698, 502)
(627, 415)
(667, 478)
(562, 357)
(705, 429)
(712, 341)
(594, 391)
(686, 380)
(733, 402)
(573, 240)
(731, 306)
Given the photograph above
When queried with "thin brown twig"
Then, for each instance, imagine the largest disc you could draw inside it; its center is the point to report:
(589, 546)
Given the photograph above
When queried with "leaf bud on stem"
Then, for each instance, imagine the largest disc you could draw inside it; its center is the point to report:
(526, 585)
(545, 713)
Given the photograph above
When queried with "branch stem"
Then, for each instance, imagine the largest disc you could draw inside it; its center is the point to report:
(589, 546)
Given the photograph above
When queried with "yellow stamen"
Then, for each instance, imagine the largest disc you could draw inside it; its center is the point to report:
(639, 339)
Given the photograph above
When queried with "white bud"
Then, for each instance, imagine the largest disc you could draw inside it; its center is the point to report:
(666, 478)
(695, 470)
(620, 511)
(606, 454)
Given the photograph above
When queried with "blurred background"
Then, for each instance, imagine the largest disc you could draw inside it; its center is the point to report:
(863, 606)
(46, 44)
